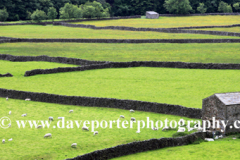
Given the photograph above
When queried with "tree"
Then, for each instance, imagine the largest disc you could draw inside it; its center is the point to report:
(78, 13)
(52, 13)
(89, 12)
(178, 6)
(94, 9)
(201, 8)
(45, 5)
(224, 7)
(67, 12)
(3, 14)
(236, 6)
(38, 16)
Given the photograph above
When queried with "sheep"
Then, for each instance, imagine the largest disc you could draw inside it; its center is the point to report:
(96, 132)
(131, 110)
(24, 115)
(60, 117)
(133, 119)
(74, 145)
(7, 98)
(27, 99)
(165, 128)
(39, 126)
(50, 118)
(181, 130)
(155, 129)
(70, 111)
(221, 136)
(9, 125)
(234, 138)
(10, 112)
(121, 116)
(3, 141)
(48, 135)
(85, 128)
(10, 139)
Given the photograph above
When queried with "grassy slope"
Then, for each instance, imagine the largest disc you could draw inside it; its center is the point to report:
(174, 86)
(222, 149)
(204, 53)
(170, 22)
(36, 31)
(19, 68)
(28, 143)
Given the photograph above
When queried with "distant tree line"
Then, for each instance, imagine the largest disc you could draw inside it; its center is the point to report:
(13, 10)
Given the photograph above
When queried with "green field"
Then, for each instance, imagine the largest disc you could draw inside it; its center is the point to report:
(186, 87)
(232, 29)
(50, 31)
(204, 53)
(221, 149)
(164, 85)
(169, 22)
(28, 143)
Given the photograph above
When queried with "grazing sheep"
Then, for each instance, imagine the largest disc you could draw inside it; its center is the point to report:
(39, 126)
(9, 125)
(221, 136)
(50, 118)
(10, 112)
(131, 110)
(181, 130)
(60, 117)
(24, 115)
(74, 145)
(209, 139)
(233, 138)
(10, 139)
(48, 135)
(70, 111)
(133, 119)
(85, 128)
(165, 128)
(27, 99)
(7, 98)
(154, 128)
(96, 132)
(3, 141)
(121, 116)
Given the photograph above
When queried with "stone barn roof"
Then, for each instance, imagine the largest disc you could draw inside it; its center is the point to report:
(152, 12)
(229, 98)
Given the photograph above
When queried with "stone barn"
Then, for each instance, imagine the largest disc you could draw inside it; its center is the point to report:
(152, 15)
(222, 106)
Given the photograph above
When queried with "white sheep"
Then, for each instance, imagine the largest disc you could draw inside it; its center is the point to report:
(154, 128)
(3, 141)
(50, 118)
(70, 111)
(48, 135)
(165, 128)
(10, 112)
(74, 145)
(27, 99)
(24, 115)
(181, 130)
(221, 136)
(9, 125)
(121, 116)
(131, 110)
(85, 128)
(7, 98)
(10, 139)
(96, 132)
(133, 119)
(39, 126)
(60, 117)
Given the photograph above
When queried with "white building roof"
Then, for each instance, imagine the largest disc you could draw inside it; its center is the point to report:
(151, 12)
(229, 98)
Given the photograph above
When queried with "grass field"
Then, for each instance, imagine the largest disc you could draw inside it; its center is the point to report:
(164, 85)
(19, 68)
(169, 22)
(233, 29)
(28, 143)
(204, 53)
(221, 149)
(50, 31)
